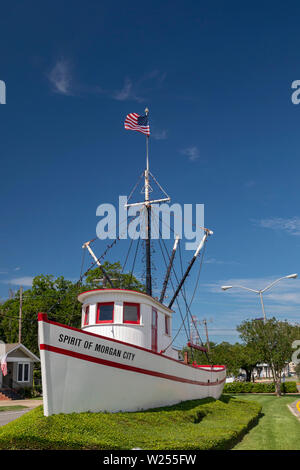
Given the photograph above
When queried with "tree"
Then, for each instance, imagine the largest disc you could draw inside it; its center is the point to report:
(272, 340)
(58, 298)
(249, 357)
(297, 370)
(234, 356)
(119, 279)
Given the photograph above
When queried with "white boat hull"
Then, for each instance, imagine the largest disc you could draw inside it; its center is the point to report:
(86, 372)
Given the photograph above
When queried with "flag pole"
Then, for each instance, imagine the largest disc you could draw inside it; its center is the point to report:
(147, 164)
(148, 219)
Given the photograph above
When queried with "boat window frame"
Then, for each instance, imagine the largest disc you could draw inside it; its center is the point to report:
(86, 315)
(135, 304)
(167, 325)
(98, 309)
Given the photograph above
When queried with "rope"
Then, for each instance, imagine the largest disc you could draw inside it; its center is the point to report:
(187, 306)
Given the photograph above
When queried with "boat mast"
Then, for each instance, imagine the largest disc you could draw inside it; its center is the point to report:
(207, 233)
(167, 276)
(148, 220)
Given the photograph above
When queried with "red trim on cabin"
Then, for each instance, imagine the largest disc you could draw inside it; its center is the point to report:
(44, 317)
(108, 289)
(125, 290)
(117, 365)
(99, 312)
(132, 304)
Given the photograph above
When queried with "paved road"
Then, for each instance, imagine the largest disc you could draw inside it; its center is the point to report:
(7, 416)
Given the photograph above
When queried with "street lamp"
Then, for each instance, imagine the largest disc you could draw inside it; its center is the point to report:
(261, 291)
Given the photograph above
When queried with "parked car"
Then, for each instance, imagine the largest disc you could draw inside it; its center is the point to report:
(241, 378)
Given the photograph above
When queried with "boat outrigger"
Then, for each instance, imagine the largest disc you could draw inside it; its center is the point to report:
(122, 358)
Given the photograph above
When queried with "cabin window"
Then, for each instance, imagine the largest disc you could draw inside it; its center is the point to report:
(131, 313)
(23, 372)
(105, 312)
(86, 315)
(167, 325)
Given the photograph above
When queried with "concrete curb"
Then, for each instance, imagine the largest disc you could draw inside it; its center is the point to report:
(294, 410)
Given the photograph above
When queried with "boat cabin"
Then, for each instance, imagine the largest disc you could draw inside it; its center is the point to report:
(129, 316)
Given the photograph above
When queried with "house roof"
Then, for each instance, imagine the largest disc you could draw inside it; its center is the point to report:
(10, 347)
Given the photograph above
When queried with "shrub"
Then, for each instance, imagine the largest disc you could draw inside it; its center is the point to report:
(256, 387)
(25, 392)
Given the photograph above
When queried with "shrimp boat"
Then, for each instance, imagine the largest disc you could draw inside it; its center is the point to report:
(122, 358)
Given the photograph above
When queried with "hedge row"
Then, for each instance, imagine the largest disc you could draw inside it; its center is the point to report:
(255, 387)
(199, 424)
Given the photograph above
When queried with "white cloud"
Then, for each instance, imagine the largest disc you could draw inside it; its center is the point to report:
(289, 225)
(250, 184)
(283, 297)
(60, 77)
(126, 93)
(25, 281)
(137, 90)
(159, 135)
(191, 152)
(219, 261)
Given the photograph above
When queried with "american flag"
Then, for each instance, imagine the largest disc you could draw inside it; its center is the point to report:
(135, 122)
(4, 365)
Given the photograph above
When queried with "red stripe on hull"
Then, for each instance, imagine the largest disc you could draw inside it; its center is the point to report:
(96, 360)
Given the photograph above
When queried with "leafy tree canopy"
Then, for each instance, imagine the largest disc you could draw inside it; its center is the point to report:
(58, 298)
(273, 342)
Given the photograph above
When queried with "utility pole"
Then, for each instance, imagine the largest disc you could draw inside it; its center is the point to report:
(206, 332)
(20, 314)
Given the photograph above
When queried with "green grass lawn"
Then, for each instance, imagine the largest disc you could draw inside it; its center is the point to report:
(13, 408)
(196, 424)
(278, 429)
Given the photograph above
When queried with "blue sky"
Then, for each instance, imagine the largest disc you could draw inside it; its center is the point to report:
(217, 80)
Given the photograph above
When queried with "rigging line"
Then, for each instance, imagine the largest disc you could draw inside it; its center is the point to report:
(108, 247)
(120, 234)
(132, 239)
(133, 265)
(181, 265)
(79, 284)
(198, 276)
(158, 184)
(178, 306)
(186, 219)
(183, 320)
(125, 262)
(184, 298)
(196, 286)
(132, 191)
(17, 318)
